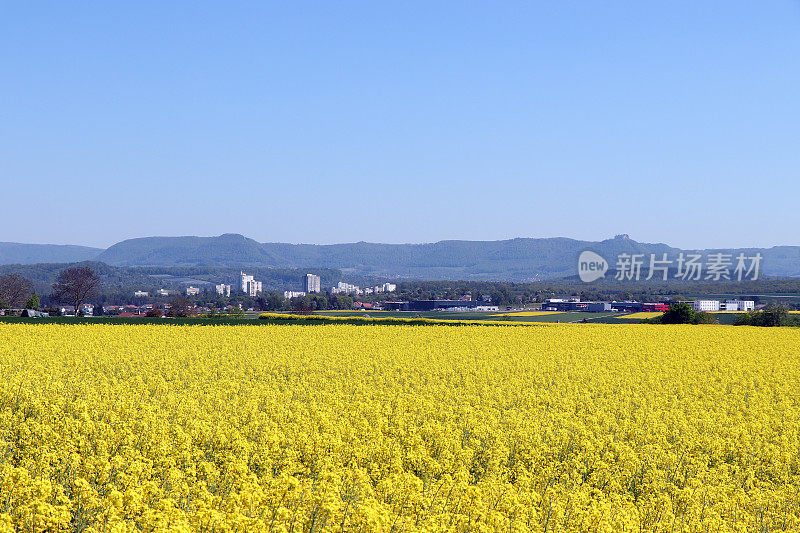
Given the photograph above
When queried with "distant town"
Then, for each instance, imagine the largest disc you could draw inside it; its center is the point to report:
(304, 292)
(248, 286)
(253, 288)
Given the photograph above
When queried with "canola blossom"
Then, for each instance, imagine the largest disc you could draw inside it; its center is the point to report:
(530, 313)
(641, 314)
(399, 428)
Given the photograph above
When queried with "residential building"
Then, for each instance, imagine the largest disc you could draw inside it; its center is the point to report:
(312, 283)
(708, 306)
(192, 291)
(223, 290)
(346, 288)
(162, 292)
(141, 294)
(246, 278)
(250, 286)
(293, 294)
(253, 288)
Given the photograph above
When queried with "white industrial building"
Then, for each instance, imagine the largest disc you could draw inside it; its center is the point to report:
(739, 305)
(192, 291)
(141, 294)
(708, 306)
(223, 290)
(312, 283)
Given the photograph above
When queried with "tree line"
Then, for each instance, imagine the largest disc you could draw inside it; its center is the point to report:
(74, 286)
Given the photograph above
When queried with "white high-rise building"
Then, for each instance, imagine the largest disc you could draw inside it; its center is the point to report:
(223, 290)
(312, 283)
(246, 278)
(253, 288)
(250, 286)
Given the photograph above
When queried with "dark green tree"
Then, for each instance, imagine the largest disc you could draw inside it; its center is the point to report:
(33, 302)
(773, 315)
(682, 313)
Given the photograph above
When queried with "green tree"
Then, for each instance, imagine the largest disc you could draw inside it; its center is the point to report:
(236, 311)
(682, 313)
(33, 302)
(273, 302)
(773, 315)
(301, 306)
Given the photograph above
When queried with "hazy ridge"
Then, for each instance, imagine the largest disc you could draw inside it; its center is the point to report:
(521, 259)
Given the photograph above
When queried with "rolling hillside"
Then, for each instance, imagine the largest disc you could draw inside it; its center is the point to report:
(509, 260)
(516, 260)
(14, 253)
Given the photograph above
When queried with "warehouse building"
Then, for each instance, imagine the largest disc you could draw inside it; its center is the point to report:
(436, 305)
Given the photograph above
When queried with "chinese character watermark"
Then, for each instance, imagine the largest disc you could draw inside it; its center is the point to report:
(715, 266)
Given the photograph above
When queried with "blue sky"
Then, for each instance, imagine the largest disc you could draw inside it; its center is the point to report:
(332, 122)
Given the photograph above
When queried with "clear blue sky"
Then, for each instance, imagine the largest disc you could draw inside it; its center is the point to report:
(676, 122)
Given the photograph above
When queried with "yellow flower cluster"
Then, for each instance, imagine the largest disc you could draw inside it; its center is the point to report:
(642, 314)
(399, 428)
(530, 313)
(287, 318)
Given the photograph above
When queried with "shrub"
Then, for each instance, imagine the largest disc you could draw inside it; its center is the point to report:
(773, 315)
(682, 313)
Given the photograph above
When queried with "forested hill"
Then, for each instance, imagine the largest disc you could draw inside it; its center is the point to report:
(507, 260)
(14, 253)
(516, 260)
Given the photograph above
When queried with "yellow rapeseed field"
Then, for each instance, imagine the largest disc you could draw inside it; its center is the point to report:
(399, 428)
(642, 314)
(529, 313)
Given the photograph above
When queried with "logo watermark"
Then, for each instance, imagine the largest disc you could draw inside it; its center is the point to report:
(591, 266)
(686, 267)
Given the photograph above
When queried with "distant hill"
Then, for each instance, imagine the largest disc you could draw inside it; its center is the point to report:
(518, 260)
(14, 253)
(227, 250)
